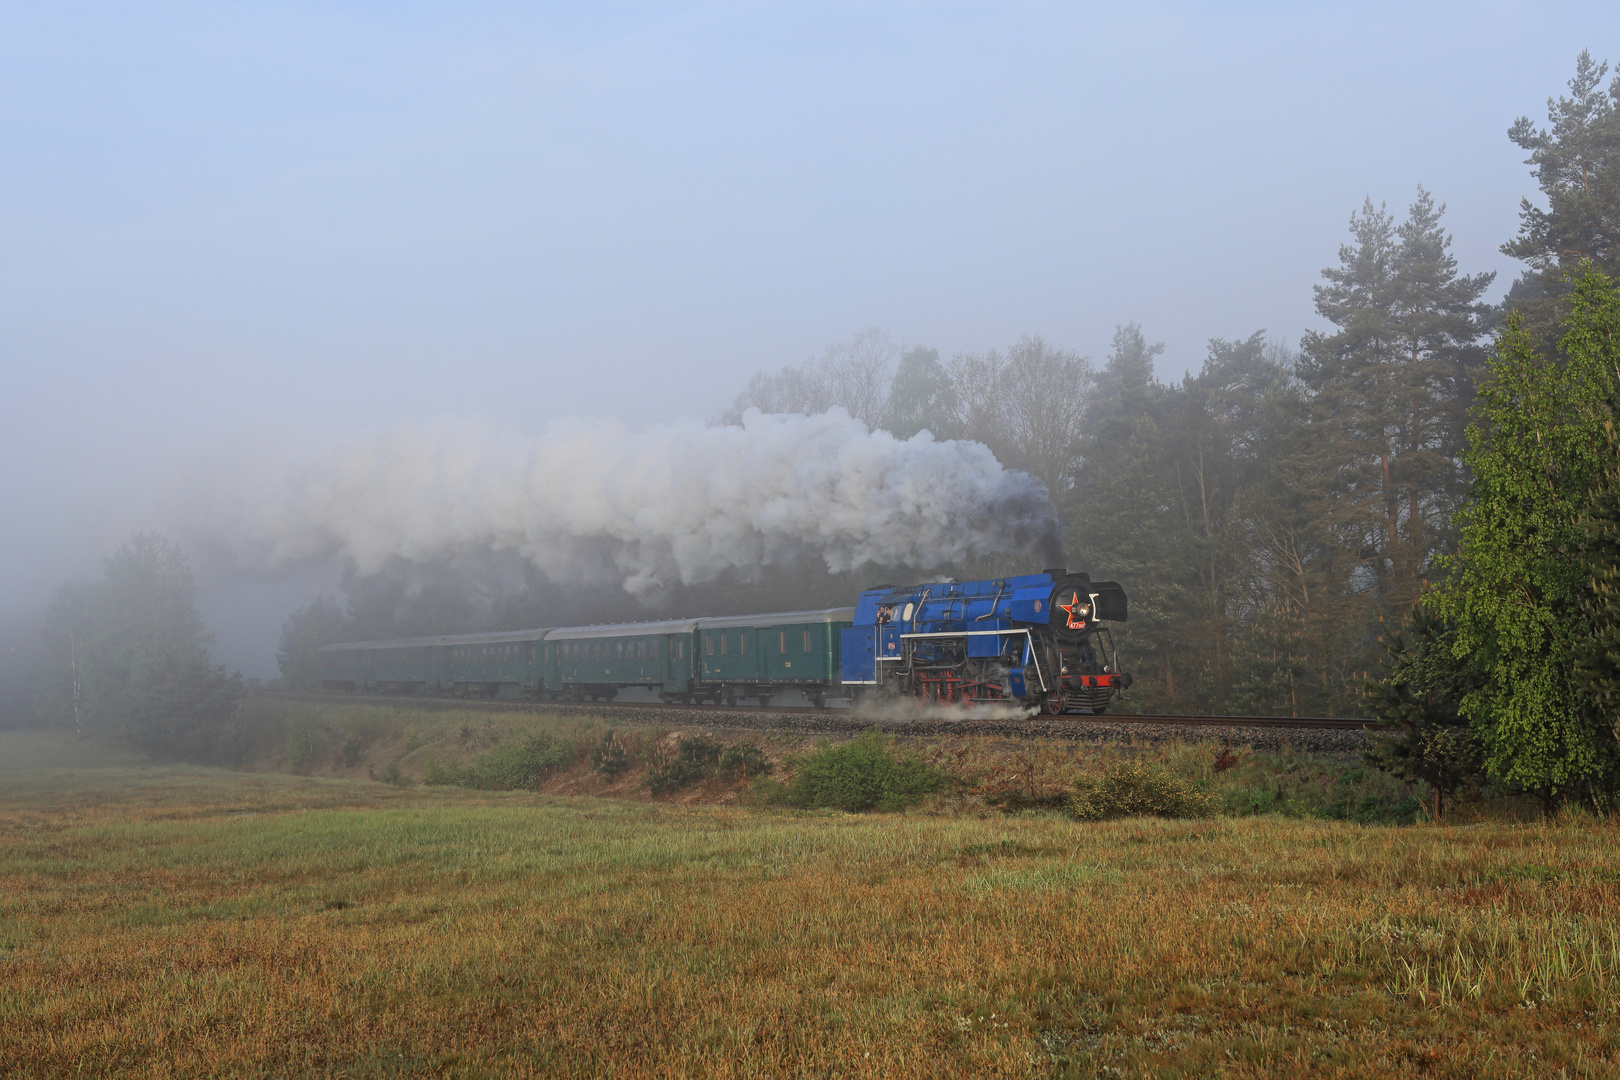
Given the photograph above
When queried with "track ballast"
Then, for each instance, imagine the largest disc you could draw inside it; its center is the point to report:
(1318, 733)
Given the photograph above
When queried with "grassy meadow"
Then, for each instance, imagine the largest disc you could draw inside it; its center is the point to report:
(180, 921)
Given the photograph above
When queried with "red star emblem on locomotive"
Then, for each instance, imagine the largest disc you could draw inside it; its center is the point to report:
(1076, 613)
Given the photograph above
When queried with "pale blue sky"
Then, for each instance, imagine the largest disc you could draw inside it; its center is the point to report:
(228, 218)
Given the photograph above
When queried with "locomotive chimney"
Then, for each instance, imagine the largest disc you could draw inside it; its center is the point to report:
(1056, 571)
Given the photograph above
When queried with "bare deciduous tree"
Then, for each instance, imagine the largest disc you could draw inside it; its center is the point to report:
(1027, 405)
(854, 375)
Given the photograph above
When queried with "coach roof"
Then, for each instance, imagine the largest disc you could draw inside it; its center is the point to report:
(780, 618)
(623, 629)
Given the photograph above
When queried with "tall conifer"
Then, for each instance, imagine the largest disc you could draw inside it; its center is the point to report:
(1390, 389)
(1577, 166)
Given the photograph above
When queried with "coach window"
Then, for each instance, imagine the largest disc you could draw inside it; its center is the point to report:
(725, 642)
(652, 648)
(742, 642)
(678, 649)
(807, 639)
(641, 648)
(708, 644)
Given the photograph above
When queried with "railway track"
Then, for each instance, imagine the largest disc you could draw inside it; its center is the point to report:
(902, 718)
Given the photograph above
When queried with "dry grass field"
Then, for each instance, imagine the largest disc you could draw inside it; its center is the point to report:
(168, 921)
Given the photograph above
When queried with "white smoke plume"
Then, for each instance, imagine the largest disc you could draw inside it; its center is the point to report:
(591, 502)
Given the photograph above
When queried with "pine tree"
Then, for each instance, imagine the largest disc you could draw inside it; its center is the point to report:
(1577, 167)
(1391, 389)
(1519, 583)
(1213, 431)
(1119, 521)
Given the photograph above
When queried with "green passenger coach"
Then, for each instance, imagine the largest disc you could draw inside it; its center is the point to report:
(759, 656)
(491, 665)
(592, 663)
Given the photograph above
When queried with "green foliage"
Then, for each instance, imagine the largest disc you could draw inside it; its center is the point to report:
(745, 759)
(865, 773)
(1518, 587)
(1597, 654)
(1419, 694)
(1302, 786)
(507, 768)
(609, 757)
(699, 757)
(1137, 789)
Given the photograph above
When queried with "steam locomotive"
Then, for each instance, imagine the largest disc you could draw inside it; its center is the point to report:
(1036, 640)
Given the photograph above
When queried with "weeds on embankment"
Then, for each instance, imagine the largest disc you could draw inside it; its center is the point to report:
(563, 752)
(173, 921)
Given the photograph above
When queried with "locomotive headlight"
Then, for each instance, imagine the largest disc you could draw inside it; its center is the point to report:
(1085, 610)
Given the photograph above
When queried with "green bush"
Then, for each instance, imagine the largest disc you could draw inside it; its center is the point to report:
(745, 758)
(700, 757)
(695, 758)
(609, 757)
(1134, 789)
(862, 774)
(508, 768)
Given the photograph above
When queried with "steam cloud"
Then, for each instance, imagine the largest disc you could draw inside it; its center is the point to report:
(592, 502)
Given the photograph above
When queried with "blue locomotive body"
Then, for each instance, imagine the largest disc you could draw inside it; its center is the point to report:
(1035, 639)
